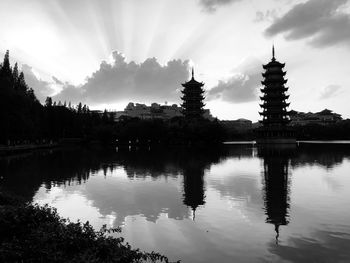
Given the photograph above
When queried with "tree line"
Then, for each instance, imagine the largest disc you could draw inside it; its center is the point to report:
(25, 120)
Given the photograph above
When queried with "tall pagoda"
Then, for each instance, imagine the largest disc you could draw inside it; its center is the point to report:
(193, 96)
(274, 105)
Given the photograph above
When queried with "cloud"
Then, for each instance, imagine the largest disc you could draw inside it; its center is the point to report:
(120, 81)
(241, 87)
(211, 5)
(41, 88)
(321, 21)
(330, 91)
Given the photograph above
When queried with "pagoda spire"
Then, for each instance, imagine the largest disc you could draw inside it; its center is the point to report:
(192, 72)
(273, 52)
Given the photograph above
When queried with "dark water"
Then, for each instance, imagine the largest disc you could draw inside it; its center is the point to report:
(237, 203)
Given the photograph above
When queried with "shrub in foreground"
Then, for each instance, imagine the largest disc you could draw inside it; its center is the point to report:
(33, 233)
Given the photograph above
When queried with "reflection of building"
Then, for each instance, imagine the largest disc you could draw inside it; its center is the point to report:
(193, 165)
(163, 162)
(276, 185)
(193, 187)
(193, 96)
(324, 117)
(274, 105)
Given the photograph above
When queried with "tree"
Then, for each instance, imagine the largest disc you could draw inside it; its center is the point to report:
(79, 108)
(22, 85)
(31, 95)
(105, 116)
(6, 68)
(48, 102)
(15, 74)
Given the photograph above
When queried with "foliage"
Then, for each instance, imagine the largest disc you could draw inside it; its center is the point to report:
(33, 233)
(177, 131)
(336, 131)
(24, 119)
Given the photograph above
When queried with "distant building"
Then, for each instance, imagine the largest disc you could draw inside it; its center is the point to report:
(324, 117)
(155, 111)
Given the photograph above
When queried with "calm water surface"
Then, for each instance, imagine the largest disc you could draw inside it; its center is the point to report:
(238, 203)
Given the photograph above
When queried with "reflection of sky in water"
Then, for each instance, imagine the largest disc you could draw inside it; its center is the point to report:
(231, 224)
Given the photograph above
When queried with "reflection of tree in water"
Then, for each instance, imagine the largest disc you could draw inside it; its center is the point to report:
(24, 174)
(324, 155)
(191, 163)
(276, 184)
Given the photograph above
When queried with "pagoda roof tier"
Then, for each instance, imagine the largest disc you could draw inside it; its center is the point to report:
(273, 115)
(192, 83)
(274, 88)
(273, 72)
(192, 104)
(273, 64)
(193, 91)
(273, 96)
(275, 120)
(270, 105)
(284, 112)
(275, 109)
(280, 121)
(273, 81)
(192, 98)
(274, 124)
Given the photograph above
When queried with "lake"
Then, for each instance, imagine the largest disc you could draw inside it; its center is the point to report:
(235, 203)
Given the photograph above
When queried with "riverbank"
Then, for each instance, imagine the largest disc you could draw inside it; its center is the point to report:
(25, 147)
(33, 233)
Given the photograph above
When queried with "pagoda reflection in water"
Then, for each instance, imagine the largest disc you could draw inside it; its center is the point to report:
(194, 190)
(276, 183)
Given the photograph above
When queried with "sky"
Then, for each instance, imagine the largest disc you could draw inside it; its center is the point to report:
(111, 52)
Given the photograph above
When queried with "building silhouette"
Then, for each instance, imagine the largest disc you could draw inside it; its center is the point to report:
(275, 117)
(324, 117)
(154, 111)
(193, 97)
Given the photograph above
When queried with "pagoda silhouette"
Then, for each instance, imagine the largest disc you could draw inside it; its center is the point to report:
(193, 97)
(274, 105)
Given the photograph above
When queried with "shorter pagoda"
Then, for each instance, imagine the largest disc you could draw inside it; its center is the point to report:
(193, 97)
(274, 105)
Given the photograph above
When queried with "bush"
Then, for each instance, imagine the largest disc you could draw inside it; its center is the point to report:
(33, 233)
